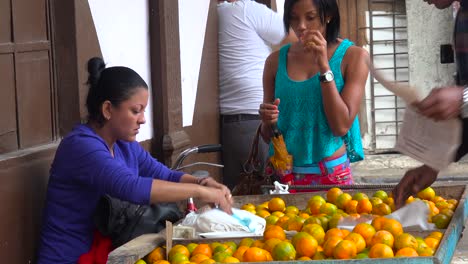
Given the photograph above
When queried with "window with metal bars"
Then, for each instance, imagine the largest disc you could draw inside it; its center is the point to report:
(387, 43)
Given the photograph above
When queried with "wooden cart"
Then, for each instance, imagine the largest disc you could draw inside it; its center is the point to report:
(140, 246)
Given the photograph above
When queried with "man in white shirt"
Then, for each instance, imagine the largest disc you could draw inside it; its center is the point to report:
(247, 31)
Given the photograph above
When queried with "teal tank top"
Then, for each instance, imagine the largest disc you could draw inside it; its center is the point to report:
(302, 117)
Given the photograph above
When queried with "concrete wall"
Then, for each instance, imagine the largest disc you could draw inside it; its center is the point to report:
(428, 28)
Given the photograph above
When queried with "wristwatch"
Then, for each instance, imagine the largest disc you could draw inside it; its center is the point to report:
(327, 77)
(464, 108)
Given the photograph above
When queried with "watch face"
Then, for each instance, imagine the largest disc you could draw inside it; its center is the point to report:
(328, 76)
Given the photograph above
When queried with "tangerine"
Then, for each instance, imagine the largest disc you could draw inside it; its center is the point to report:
(426, 194)
(328, 209)
(316, 231)
(381, 251)
(306, 246)
(406, 240)
(246, 241)
(330, 244)
(239, 253)
(333, 194)
(291, 209)
(366, 230)
(358, 240)
(364, 206)
(381, 194)
(204, 249)
(284, 251)
(181, 249)
(274, 231)
(345, 249)
(157, 254)
(383, 237)
(351, 207)
(342, 200)
(359, 196)
(276, 204)
(406, 252)
(441, 221)
(197, 258)
(208, 261)
(271, 243)
(393, 226)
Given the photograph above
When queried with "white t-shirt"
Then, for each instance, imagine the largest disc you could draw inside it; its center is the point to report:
(247, 30)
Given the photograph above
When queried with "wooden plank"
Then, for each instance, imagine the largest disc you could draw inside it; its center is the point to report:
(8, 130)
(29, 20)
(5, 21)
(34, 98)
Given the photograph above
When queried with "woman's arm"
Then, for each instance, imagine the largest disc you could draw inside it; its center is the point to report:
(341, 109)
(269, 111)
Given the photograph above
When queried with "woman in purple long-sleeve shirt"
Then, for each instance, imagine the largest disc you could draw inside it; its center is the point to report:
(102, 157)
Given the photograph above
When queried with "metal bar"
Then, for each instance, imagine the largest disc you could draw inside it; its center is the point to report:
(371, 50)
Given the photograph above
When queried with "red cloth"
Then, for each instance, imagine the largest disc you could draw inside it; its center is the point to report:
(99, 251)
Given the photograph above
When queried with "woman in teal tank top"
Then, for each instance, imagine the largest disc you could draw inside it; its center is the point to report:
(312, 91)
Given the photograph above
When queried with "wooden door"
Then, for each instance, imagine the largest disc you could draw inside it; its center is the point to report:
(27, 90)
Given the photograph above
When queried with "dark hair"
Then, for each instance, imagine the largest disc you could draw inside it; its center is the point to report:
(114, 84)
(326, 8)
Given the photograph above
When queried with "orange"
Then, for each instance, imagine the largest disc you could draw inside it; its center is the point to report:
(345, 249)
(197, 258)
(441, 221)
(191, 247)
(247, 241)
(362, 255)
(437, 198)
(406, 252)
(381, 194)
(452, 201)
(223, 248)
(291, 209)
(425, 252)
(178, 249)
(304, 258)
(274, 231)
(157, 254)
(203, 249)
(239, 253)
(262, 213)
(381, 209)
(220, 256)
(351, 207)
(314, 205)
(393, 226)
(295, 223)
(342, 200)
(278, 213)
(334, 232)
(391, 203)
(375, 201)
(358, 241)
(383, 237)
(333, 194)
(214, 245)
(282, 221)
(162, 261)
(366, 230)
(324, 219)
(427, 194)
(270, 244)
(298, 235)
(377, 222)
(208, 261)
(330, 244)
(432, 242)
(328, 209)
(335, 220)
(258, 243)
(304, 215)
(319, 255)
(178, 258)
(306, 246)
(276, 204)
(436, 234)
(446, 211)
(315, 219)
(316, 231)
(230, 259)
(231, 244)
(381, 251)
(284, 251)
(405, 240)
(248, 207)
(364, 206)
(271, 219)
(359, 196)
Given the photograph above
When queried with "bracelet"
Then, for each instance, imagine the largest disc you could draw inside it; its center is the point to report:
(464, 108)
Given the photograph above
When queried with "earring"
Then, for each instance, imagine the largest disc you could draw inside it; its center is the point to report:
(107, 118)
(328, 22)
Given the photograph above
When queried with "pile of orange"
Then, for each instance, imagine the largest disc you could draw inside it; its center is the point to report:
(317, 234)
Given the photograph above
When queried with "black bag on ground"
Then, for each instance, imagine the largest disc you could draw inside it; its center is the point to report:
(122, 221)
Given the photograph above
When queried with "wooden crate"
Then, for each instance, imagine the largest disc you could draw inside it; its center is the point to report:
(140, 246)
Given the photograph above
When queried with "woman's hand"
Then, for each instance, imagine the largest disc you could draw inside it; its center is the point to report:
(313, 41)
(220, 197)
(269, 112)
